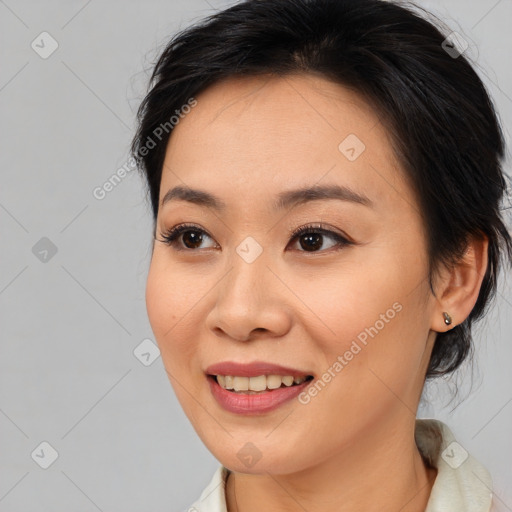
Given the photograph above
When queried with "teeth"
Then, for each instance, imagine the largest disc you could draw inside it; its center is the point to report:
(241, 383)
(255, 384)
(288, 380)
(228, 379)
(274, 381)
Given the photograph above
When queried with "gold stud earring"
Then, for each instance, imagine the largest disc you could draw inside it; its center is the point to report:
(447, 318)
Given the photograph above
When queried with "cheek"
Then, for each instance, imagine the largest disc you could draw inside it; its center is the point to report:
(373, 315)
(170, 298)
(160, 304)
(342, 304)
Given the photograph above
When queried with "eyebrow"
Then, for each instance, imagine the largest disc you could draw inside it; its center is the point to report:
(286, 199)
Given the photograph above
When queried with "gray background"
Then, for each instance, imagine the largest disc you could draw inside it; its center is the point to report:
(70, 321)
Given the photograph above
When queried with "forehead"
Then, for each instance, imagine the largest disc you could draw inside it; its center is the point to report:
(248, 136)
(297, 103)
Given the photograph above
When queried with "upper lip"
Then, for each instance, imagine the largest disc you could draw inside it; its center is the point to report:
(253, 369)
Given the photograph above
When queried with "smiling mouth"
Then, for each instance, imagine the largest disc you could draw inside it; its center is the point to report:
(259, 384)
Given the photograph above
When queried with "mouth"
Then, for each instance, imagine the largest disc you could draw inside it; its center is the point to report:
(259, 384)
(256, 387)
(257, 395)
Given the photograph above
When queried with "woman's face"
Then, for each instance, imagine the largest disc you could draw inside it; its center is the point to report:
(348, 304)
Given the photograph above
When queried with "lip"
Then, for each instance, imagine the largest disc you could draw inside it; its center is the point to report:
(253, 369)
(260, 403)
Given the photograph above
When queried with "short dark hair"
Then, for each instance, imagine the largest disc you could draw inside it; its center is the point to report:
(442, 122)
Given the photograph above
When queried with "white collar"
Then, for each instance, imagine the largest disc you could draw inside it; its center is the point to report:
(462, 483)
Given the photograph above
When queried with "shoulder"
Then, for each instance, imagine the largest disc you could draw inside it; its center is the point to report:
(462, 483)
(213, 497)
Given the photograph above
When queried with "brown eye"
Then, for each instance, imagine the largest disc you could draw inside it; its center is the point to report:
(311, 238)
(311, 241)
(192, 237)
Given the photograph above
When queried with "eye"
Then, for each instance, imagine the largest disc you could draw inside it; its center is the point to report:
(191, 235)
(311, 238)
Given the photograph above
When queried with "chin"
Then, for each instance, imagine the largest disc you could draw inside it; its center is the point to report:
(258, 460)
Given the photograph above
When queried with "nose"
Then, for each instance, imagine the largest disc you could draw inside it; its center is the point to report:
(251, 302)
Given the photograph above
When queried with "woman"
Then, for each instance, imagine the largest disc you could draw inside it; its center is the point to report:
(327, 230)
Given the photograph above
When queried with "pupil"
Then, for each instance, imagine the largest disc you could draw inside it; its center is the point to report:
(194, 237)
(312, 237)
(312, 241)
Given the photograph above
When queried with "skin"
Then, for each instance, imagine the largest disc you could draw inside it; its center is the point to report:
(352, 446)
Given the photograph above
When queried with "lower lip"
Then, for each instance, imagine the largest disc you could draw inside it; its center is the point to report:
(241, 403)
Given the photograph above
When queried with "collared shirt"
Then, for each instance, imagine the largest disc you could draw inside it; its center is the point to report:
(462, 484)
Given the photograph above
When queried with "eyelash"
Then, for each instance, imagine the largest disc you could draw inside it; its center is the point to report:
(170, 237)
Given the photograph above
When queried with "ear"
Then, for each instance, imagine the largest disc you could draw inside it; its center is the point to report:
(458, 288)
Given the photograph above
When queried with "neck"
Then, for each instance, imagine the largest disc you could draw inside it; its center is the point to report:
(383, 473)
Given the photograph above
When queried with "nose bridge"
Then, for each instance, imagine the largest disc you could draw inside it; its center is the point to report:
(246, 298)
(244, 284)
